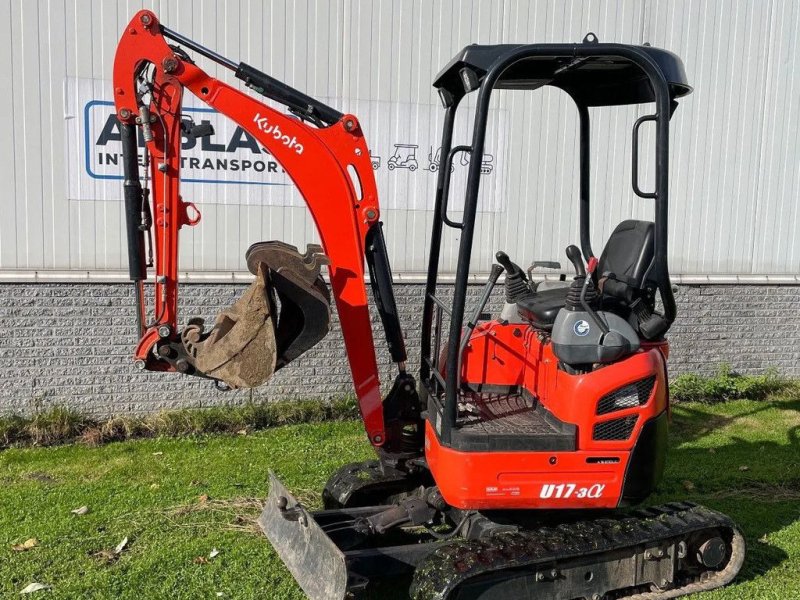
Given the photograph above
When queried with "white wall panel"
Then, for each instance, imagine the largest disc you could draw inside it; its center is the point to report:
(735, 151)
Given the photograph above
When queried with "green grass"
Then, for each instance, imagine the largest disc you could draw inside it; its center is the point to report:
(727, 384)
(59, 425)
(53, 425)
(153, 492)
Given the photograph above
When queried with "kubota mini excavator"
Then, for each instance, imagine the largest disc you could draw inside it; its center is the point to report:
(496, 475)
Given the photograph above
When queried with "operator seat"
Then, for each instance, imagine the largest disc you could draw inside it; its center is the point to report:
(541, 309)
(628, 254)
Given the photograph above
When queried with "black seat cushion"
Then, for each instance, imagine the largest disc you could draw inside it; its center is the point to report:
(629, 252)
(541, 309)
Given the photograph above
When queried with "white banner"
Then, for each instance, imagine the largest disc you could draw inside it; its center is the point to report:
(235, 169)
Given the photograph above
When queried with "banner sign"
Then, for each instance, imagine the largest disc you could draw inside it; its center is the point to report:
(234, 169)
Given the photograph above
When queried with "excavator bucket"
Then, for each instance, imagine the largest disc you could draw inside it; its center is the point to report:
(305, 313)
(240, 349)
(259, 333)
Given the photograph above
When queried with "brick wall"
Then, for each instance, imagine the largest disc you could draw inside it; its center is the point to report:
(71, 344)
(750, 327)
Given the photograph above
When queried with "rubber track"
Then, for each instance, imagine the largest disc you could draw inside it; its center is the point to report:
(451, 565)
(367, 478)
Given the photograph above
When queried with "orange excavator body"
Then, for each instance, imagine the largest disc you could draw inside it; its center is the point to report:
(560, 402)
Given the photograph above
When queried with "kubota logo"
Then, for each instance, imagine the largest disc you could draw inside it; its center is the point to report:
(265, 126)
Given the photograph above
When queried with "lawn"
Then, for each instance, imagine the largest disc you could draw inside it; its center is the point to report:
(176, 500)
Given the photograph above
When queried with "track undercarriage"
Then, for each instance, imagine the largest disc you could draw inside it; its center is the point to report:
(440, 553)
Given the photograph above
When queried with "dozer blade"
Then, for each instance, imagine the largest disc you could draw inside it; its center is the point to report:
(259, 334)
(327, 551)
(316, 563)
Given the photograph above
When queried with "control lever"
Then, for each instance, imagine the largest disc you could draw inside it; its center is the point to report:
(516, 284)
(508, 265)
(494, 275)
(574, 256)
(587, 280)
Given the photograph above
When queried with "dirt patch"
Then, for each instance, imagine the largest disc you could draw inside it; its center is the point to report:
(40, 477)
(241, 514)
(788, 491)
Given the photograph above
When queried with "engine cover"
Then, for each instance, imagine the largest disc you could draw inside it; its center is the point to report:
(577, 339)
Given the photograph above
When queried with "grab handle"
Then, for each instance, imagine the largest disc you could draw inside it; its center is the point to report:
(447, 167)
(635, 157)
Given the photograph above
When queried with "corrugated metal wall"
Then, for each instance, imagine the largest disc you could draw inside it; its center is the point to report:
(735, 150)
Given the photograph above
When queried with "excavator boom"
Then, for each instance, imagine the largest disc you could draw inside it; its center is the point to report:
(323, 152)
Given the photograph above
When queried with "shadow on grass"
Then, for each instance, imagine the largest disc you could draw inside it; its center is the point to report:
(753, 480)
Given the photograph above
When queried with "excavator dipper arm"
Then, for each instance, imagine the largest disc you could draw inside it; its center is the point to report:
(323, 152)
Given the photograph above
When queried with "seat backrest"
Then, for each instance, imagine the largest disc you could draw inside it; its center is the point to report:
(629, 252)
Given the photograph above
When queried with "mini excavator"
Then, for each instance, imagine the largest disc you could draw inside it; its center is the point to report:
(514, 467)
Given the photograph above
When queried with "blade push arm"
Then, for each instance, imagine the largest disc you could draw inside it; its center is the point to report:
(315, 158)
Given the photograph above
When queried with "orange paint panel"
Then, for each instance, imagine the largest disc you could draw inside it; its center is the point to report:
(315, 159)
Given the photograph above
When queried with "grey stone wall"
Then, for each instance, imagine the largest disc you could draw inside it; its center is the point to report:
(750, 327)
(71, 344)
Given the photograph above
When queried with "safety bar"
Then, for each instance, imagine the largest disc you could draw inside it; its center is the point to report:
(476, 315)
(440, 304)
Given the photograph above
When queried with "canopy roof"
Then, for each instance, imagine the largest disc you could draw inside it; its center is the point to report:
(593, 74)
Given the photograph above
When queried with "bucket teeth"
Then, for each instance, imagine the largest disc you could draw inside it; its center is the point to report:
(280, 256)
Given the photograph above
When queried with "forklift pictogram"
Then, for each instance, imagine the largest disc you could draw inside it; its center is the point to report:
(435, 160)
(404, 157)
